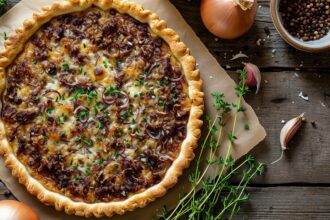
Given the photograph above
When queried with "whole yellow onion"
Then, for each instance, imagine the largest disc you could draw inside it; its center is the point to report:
(228, 19)
(14, 210)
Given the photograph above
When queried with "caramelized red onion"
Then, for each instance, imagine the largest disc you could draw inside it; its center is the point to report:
(79, 108)
(156, 137)
(176, 72)
(177, 78)
(114, 51)
(165, 157)
(168, 140)
(44, 93)
(82, 108)
(42, 106)
(109, 100)
(12, 135)
(138, 112)
(68, 80)
(97, 59)
(141, 40)
(161, 113)
(125, 100)
(153, 66)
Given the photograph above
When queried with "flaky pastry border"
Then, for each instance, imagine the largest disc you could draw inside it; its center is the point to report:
(15, 44)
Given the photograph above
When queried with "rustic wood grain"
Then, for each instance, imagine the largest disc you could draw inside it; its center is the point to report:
(285, 56)
(5, 193)
(307, 160)
(298, 187)
(287, 203)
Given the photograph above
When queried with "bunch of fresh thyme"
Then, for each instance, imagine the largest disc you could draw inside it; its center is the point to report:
(217, 198)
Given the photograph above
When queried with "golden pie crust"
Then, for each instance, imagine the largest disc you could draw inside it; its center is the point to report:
(15, 44)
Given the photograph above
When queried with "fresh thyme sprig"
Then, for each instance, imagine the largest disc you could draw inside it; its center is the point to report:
(212, 199)
(3, 3)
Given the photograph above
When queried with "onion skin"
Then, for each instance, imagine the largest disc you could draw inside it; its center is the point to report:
(14, 210)
(225, 19)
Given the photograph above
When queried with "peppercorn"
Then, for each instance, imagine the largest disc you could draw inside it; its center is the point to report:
(306, 19)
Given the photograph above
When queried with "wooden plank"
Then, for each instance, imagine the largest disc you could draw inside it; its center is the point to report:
(5, 193)
(307, 161)
(294, 203)
(223, 50)
(276, 203)
(10, 4)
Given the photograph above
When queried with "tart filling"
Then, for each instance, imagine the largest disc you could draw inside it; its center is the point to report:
(96, 106)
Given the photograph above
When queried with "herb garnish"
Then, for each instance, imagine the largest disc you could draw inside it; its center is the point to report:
(98, 106)
(105, 64)
(140, 82)
(87, 170)
(81, 115)
(59, 120)
(90, 95)
(101, 161)
(99, 126)
(5, 37)
(80, 138)
(217, 197)
(76, 93)
(164, 82)
(117, 63)
(246, 126)
(118, 133)
(66, 67)
(49, 111)
(124, 115)
(111, 90)
(88, 142)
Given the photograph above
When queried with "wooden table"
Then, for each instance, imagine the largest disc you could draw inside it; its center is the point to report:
(298, 187)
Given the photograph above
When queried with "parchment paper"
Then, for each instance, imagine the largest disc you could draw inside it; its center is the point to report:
(215, 79)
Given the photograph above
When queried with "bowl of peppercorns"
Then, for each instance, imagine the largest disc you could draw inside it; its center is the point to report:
(304, 24)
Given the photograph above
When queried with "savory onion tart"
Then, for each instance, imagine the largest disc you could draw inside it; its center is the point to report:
(101, 106)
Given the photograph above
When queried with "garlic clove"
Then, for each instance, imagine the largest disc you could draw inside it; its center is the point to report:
(253, 76)
(289, 130)
(287, 133)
